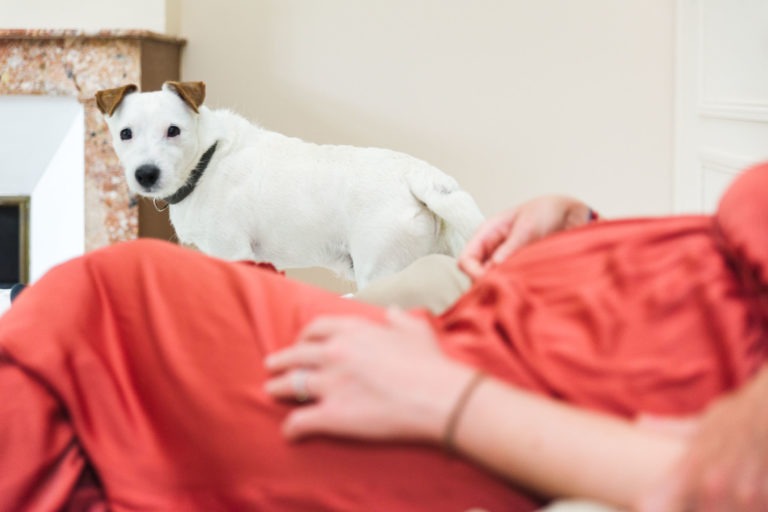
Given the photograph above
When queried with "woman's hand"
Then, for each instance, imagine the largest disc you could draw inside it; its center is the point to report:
(500, 236)
(367, 380)
(726, 465)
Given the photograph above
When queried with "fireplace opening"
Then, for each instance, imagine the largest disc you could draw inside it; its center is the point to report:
(14, 241)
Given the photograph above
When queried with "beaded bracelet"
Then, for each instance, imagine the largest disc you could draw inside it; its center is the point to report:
(458, 409)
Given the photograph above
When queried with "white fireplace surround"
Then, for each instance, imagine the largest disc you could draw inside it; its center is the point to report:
(42, 157)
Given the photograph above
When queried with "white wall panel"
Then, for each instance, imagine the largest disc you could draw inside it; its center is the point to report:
(722, 97)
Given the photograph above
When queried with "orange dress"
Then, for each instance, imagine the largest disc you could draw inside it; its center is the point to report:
(132, 377)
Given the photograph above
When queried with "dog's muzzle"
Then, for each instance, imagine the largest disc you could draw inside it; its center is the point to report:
(147, 175)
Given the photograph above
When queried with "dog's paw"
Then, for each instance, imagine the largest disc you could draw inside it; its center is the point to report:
(8, 295)
(5, 300)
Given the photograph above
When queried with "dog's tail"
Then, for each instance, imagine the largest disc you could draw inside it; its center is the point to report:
(457, 210)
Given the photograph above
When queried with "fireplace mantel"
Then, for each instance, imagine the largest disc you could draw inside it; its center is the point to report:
(77, 64)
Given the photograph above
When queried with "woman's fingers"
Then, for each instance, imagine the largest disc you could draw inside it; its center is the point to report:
(507, 232)
(522, 234)
(300, 385)
(305, 421)
(298, 355)
(479, 251)
(307, 351)
(323, 327)
(476, 255)
(297, 369)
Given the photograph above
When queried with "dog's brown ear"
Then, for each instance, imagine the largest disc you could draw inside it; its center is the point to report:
(109, 99)
(193, 93)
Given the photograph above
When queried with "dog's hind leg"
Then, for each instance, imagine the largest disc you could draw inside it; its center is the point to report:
(391, 249)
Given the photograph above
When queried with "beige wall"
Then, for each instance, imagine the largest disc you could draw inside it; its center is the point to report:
(155, 15)
(512, 97)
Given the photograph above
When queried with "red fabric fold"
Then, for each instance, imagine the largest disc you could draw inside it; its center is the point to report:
(144, 362)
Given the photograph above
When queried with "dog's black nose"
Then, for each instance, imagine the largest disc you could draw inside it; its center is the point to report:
(147, 175)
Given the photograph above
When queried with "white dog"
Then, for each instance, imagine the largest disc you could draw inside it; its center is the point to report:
(238, 191)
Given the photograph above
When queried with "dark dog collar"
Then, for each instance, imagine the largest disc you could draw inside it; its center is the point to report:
(194, 177)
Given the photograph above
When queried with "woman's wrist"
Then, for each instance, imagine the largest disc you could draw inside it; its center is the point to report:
(439, 400)
(458, 410)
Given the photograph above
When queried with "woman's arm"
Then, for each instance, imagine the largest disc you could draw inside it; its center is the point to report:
(391, 382)
(559, 450)
(726, 464)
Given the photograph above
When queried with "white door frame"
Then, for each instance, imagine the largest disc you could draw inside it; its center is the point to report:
(721, 100)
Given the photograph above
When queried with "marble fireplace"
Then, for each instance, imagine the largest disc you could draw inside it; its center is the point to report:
(56, 158)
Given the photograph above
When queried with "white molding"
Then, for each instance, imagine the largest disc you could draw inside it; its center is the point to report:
(710, 149)
(724, 162)
(717, 170)
(715, 106)
(739, 111)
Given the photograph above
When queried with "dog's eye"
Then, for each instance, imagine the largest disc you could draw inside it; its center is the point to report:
(126, 134)
(173, 130)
